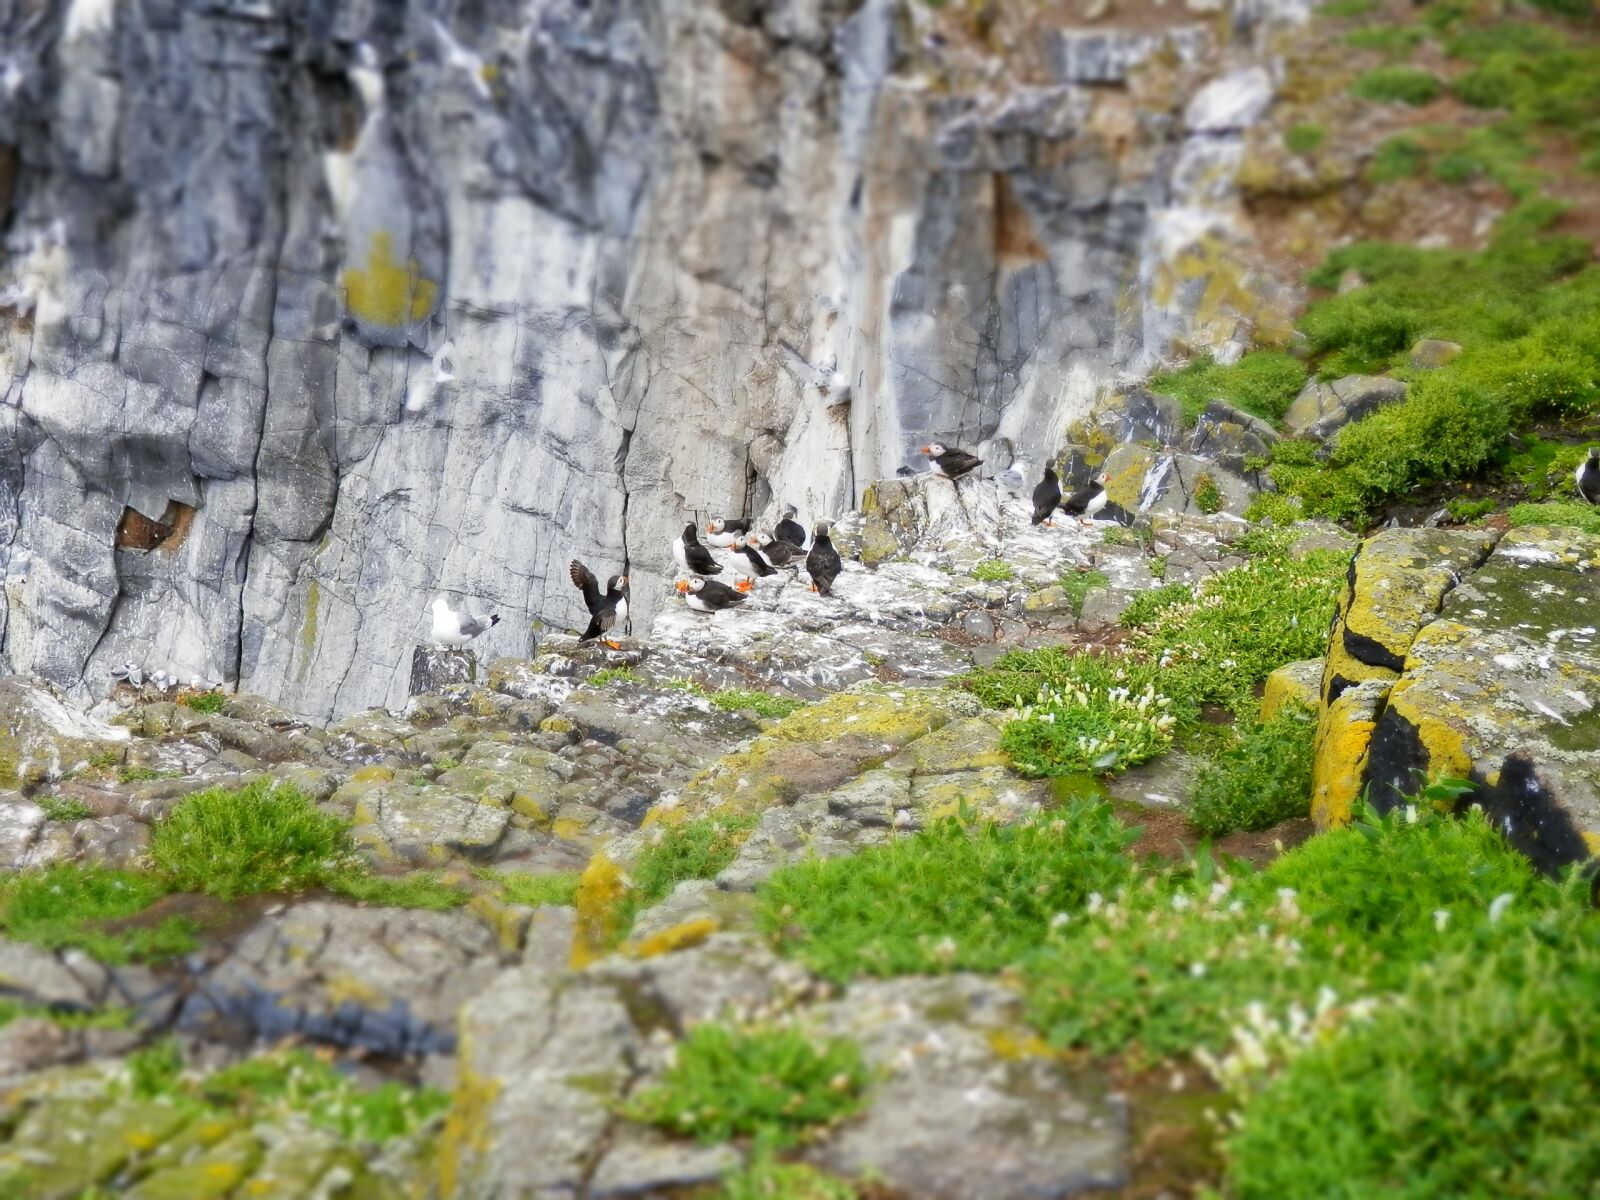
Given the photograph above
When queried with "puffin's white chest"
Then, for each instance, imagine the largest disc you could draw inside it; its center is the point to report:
(680, 554)
(699, 605)
(622, 608)
(1096, 503)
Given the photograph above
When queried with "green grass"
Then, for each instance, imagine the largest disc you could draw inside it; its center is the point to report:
(1544, 468)
(1263, 383)
(71, 905)
(955, 896)
(1464, 511)
(264, 837)
(419, 889)
(205, 702)
(67, 1018)
(1573, 513)
(64, 808)
(766, 1178)
(1082, 725)
(517, 887)
(140, 774)
(1163, 968)
(1276, 507)
(606, 676)
(1344, 9)
(697, 849)
(1397, 85)
(1078, 584)
(1304, 138)
(993, 571)
(1392, 41)
(1239, 626)
(1208, 496)
(1399, 157)
(1264, 779)
(1481, 1084)
(270, 1086)
(763, 704)
(774, 1084)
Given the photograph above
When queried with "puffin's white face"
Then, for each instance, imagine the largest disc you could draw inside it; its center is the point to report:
(696, 584)
(715, 526)
(755, 542)
(934, 449)
(761, 540)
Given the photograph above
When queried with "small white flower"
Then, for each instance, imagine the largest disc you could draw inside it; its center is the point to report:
(1411, 814)
(1060, 919)
(1197, 970)
(1179, 902)
(1441, 918)
(1096, 902)
(1498, 906)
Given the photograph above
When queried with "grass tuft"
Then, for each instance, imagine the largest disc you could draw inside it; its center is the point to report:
(955, 896)
(87, 907)
(64, 808)
(773, 1084)
(993, 571)
(264, 837)
(1397, 85)
(1265, 779)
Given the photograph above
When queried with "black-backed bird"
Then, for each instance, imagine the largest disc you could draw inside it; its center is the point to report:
(788, 529)
(606, 609)
(823, 564)
(1085, 502)
(1045, 498)
(707, 595)
(723, 532)
(1588, 476)
(780, 552)
(951, 463)
(691, 556)
(750, 550)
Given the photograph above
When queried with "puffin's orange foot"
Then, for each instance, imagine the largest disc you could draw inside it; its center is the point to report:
(1049, 524)
(613, 645)
(811, 587)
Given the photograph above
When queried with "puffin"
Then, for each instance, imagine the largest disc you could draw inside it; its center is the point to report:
(723, 532)
(454, 629)
(780, 552)
(951, 463)
(692, 556)
(750, 549)
(788, 529)
(1045, 498)
(1085, 502)
(707, 595)
(823, 564)
(605, 611)
(1588, 476)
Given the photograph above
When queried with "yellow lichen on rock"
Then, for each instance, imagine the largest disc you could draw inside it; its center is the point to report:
(601, 890)
(1292, 683)
(387, 292)
(466, 1129)
(1125, 469)
(1344, 735)
(674, 937)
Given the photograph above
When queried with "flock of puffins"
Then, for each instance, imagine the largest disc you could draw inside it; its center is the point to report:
(761, 555)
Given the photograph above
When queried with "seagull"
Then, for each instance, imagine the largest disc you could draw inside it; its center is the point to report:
(454, 629)
(129, 671)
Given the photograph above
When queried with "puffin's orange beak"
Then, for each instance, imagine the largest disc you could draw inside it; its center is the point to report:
(709, 529)
(682, 585)
(922, 449)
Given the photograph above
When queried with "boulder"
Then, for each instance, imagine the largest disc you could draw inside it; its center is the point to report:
(1322, 409)
(1432, 353)
(1136, 415)
(1230, 102)
(434, 668)
(41, 738)
(1293, 683)
(1231, 437)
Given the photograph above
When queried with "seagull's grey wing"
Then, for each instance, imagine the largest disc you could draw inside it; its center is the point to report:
(472, 626)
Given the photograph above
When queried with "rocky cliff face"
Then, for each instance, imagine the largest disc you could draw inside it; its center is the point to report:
(309, 309)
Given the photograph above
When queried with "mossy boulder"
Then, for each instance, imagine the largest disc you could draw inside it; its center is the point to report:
(1292, 683)
(41, 738)
(1322, 409)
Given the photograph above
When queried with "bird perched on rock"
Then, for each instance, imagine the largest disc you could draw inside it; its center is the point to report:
(691, 556)
(780, 552)
(750, 550)
(606, 610)
(452, 628)
(1085, 502)
(1588, 476)
(707, 595)
(788, 529)
(1046, 497)
(723, 532)
(823, 564)
(1014, 478)
(130, 672)
(951, 463)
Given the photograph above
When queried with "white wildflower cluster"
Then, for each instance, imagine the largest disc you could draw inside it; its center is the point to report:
(1261, 1044)
(1104, 728)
